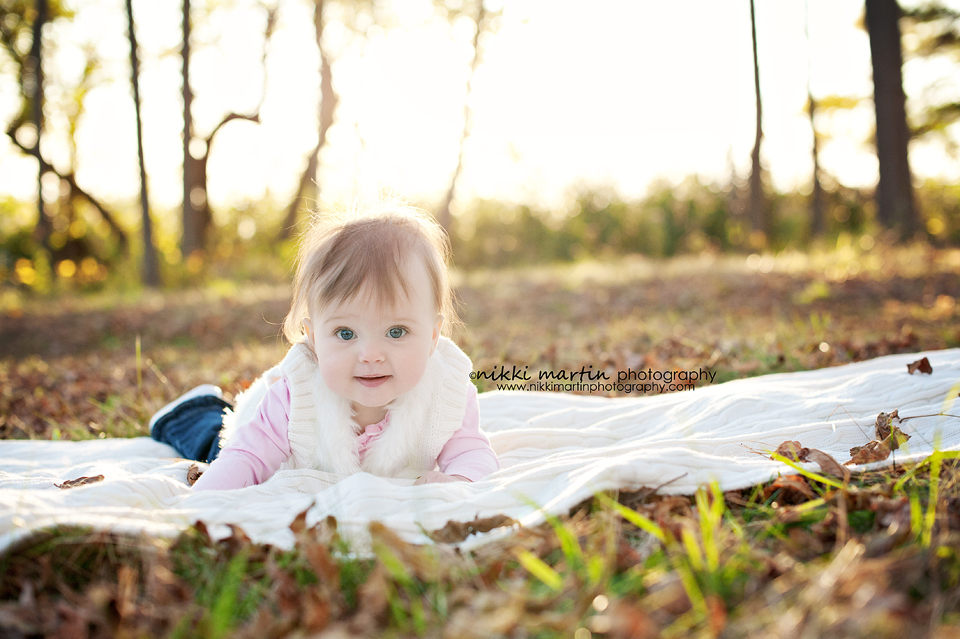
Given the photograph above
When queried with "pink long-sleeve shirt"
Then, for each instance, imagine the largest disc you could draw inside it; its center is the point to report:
(259, 447)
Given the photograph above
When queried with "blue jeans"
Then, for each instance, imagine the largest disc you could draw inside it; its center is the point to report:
(193, 427)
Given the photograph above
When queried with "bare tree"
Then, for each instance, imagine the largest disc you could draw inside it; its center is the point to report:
(443, 216)
(13, 28)
(33, 69)
(816, 203)
(896, 208)
(190, 241)
(759, 220)
(151, 270)
(307, 188)
(197, 214)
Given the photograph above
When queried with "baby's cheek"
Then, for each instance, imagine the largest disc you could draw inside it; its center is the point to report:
(414, 368)
(332, 373)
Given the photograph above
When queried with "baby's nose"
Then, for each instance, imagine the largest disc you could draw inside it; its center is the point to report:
(370, 351)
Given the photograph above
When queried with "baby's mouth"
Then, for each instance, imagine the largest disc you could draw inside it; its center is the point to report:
(372, 381)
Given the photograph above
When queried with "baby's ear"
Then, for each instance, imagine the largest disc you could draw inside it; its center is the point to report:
(436, 332)
(307, 327)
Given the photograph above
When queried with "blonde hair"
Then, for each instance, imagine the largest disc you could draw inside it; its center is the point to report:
(368, 245)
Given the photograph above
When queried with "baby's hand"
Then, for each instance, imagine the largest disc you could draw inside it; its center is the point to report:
(436, 477)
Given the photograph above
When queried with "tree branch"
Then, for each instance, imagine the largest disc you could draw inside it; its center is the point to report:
(229, 118)
(75, 188)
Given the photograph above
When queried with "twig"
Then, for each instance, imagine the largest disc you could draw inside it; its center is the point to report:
(903, 419)
(840, 407)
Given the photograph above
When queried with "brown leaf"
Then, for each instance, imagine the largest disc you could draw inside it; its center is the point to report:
(872, 451)
(299, 523)
(888, 430)
(193, 474)
(897, 438)
(794, 489)
(628, 619)
(828, 464)
(885, 422)
(79, 481)
(718, 614)
(372, 603)
(922, 365)
(793, 450)
(454, 531)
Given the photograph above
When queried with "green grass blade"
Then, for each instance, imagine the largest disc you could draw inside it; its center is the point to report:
(536, 567)
(223, 612)
(930, 517)
(634, 518)
(692, 549)
(690, 585)
(568, 543)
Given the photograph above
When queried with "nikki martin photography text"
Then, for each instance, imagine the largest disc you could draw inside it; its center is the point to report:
(589, 380)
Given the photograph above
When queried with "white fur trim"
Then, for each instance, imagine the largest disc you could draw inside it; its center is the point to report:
(323, 434)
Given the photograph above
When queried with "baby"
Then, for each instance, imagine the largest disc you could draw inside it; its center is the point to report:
(370, 383)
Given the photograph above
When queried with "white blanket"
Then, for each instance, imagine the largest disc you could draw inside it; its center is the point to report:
(555, 450)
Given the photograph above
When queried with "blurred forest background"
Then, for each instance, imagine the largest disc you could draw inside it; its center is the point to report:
(91, 197)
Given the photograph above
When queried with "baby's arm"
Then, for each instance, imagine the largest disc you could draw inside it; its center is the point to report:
(467, 456)
(257, 448)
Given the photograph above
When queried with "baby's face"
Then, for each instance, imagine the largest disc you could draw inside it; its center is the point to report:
(370, 354)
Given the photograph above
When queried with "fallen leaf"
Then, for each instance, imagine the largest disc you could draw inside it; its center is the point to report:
(922, 365)
(628, 619)
(193, 474)
(896, 439)
(79, 481)
(872, 451)
(828, 464)
(299, 523)
(454, 531)
(793, 450)
(794, 489)
(718, 614)
(884, 423)
(888, 430)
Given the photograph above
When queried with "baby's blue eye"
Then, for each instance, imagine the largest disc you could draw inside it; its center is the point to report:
(397, 332)
(345, 334)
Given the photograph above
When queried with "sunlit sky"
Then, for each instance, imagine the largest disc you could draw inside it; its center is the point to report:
(569, 95)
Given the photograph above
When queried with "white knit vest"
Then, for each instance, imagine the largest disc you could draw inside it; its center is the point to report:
(323, 434)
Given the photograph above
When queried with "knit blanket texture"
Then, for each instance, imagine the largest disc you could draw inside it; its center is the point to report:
(555, 451)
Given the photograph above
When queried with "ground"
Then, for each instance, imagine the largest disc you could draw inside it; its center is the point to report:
(800, 557)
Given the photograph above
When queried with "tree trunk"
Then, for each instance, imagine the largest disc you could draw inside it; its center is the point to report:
(894, 196)
(759, 220)
(151, 270)
(817, 225)
(816, 203)
(443, 216)
(307, 189)
(35, 65)
(190, 240)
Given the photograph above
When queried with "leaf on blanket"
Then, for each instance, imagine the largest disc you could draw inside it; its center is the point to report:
(454, 531)
(79, 481)
(888, 430)
(793, 450)
(797, 452)
(922, 365)
(828, 464)
(885, 422)
(299, 523)
(872, 451)
(193, 474)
